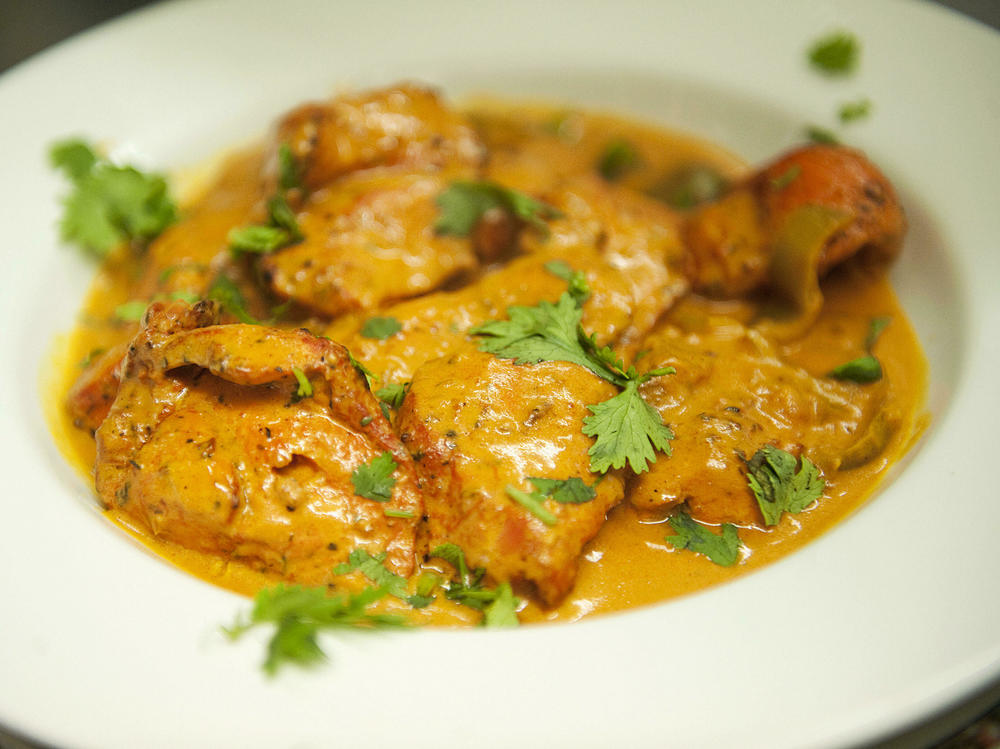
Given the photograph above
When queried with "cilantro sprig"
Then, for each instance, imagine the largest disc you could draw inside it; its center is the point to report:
(299, 614)
(628, 430)
(782, 483)
(867, 368)
(374, 480)
(109, 204)
(282, 228)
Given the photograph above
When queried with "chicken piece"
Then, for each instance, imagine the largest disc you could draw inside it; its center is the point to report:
(214, 444)
(636, 236)
(730, 396)
(407, 125)
(368, 241)
(437, 324)
(732, 241)
(89, 399)
(480, 424)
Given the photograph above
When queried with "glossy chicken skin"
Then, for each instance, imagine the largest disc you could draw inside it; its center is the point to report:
(731, 395)
(480, 424)
(407, 125)
(212, 444)
(731, 241)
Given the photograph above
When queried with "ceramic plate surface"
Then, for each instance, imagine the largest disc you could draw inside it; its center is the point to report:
(888, 618)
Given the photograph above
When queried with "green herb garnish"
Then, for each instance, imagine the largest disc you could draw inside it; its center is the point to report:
(374, 480)
(865, 368)
(463, 203)
(835, 54)
(533, 502)
(722, 549)
(373, 568)
(380, 328)
(299, 614)
(821, 135)
(565, 491)
(393, 394)
(780, 484)
(499, 605)
(109, 204)
(305, 389)
(855, 110)
(225, 291)
(618, 157)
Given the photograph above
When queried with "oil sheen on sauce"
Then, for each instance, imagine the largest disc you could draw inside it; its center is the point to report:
(629, 563)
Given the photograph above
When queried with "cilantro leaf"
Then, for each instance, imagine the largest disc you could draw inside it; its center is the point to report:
(786, 178)
(618, 157)
(463, 203)
(305, 389)
(854, 110)
(778, 487)
(289, 172)
(257, 240)
(533, 502)
(453, 555)
(862, 370)
(689, 186)
(374, 480)
(393, 394)
(362, 370)
(380, 328)
(109, 204)
(627, 430)
(502, 610)
(835, 54)
(373, 568)
(131, 311)
(722, 549)
(300, 613)
(225, 291)
(821, 135)
(565, 491)
(866, 368)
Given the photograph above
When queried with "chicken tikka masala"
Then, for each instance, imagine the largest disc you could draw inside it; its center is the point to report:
(501, 355)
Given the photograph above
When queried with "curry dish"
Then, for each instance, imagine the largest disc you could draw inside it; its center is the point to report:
(604, 363)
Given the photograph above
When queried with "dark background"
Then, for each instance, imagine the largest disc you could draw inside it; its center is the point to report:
(28, 26)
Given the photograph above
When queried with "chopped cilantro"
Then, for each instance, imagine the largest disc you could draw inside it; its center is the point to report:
(374, 480)
(305, 389)
(618, 157)
(393, 394)
(862, 370)
(362, 370)
(259, 240)
(468, 590)
(821, 135)
(579, 289)
(778, 487)
(289, 173)
(689, 534)
(373, 568)
(109, 204)
(533, 502)
(131, 311)
(786, 178)
(463, 203)
(502, 610)
(865, 368)
(835, 54)
(391, 513)
(855, 110)
(225, 291)
(565, 491)
(380, 328)
(689, 186)
(300, 613)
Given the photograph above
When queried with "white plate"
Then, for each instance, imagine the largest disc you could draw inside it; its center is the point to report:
(890, 617)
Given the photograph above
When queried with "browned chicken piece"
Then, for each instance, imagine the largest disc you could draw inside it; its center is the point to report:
(634, 235)
(437, 324)
(369, 240)
(732, 395)
(732, 241)
(93, 392)
(214, 444)
(479, 425)
(407, 125)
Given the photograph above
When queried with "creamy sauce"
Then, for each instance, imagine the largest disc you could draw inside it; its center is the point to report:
(629, 563)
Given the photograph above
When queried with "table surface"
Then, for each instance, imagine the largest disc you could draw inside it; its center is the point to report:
(30, 26)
